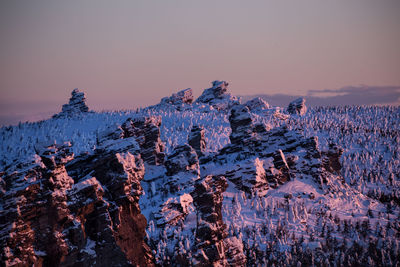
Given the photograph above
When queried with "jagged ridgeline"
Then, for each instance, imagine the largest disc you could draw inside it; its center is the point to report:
(202, 182)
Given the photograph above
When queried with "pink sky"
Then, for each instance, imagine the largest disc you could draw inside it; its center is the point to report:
(126, 54)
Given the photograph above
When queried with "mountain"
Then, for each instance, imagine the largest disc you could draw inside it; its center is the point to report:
(202, 182)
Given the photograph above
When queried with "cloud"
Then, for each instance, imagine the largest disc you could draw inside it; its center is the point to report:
(350, 95)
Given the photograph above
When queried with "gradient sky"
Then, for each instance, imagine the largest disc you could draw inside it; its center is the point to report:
(126, 54)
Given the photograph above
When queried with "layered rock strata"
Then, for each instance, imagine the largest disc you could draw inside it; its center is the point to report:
(76, 106)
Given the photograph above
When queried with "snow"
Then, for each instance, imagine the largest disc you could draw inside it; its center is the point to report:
(276, 219)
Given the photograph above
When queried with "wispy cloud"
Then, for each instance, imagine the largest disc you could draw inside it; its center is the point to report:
(350, 95)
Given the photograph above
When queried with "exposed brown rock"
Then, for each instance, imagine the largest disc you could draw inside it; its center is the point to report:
(217, 96)
(51, 220)
(147, 132)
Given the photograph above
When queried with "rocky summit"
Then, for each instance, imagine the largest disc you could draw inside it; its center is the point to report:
(205, 182)
(297, 106)
(76, 106)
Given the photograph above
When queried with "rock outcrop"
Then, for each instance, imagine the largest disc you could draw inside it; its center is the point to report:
(217, 96)
(179, 98)
(241, 124)
(249, 177)
(182, 168)
(211, 230)
(257, 104)
(147, 133)
(297, 106)
(75, 107)
(285, 153)
(197, 140)
(331, 159)
(90, 219)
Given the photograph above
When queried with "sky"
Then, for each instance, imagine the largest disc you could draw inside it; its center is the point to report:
(126, 54)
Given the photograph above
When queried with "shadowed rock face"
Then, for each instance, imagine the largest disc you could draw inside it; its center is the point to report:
(241, 124)
(211, 230)
(298, 106)
(217, 96)
(257, 104)
(182, 169)
(147, 132)
(250, 177)
(179, 98)
(284, 154)
(332, 159)
(76, 106)
(197, 140)
(92, 219)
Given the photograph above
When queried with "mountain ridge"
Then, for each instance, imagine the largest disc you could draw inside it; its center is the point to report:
(203, 182)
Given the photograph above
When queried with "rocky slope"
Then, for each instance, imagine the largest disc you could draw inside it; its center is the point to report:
(206, 182)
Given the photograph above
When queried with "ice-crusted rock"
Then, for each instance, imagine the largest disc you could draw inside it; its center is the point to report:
(76, 106)
(90, 218)
(196, 139)
(257, 104)
(234, 251)
(179, 98)
(288, 152)
(217, 96)
(147, 133)
(182, 159)
(183, 169)
(331, 159)
(174, 210)
(281, 165)
(250, 177)
(211, 230)
(241, 124)
(297, 106)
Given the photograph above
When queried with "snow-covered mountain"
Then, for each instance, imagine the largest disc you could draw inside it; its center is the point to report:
(205, 182)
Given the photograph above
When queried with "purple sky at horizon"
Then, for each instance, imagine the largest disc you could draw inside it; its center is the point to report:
(125, 54)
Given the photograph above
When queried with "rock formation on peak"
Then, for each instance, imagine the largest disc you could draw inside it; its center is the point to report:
(280, 150)
(209, 183)
(217, 96)
(76, 106)
(297, 106)
(257, 104)
(182, 97)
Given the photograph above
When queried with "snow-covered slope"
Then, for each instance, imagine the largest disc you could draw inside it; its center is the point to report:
(218, 183)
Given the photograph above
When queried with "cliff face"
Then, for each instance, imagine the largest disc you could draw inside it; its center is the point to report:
(92, 219)
(211, 234)
(159, 187)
